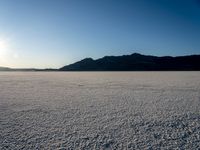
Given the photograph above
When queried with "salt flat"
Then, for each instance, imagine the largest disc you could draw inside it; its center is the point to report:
(99, 110)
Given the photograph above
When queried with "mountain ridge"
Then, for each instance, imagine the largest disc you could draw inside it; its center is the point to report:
(132, 62)
(137, 62)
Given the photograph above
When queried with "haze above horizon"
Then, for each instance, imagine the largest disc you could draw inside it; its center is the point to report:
(52, 33)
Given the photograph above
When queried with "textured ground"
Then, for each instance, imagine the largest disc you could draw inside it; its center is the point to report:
(99, 110)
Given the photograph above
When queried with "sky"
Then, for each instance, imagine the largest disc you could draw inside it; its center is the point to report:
(54, 33)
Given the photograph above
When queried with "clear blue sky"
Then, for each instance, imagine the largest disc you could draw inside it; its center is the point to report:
(53, 33)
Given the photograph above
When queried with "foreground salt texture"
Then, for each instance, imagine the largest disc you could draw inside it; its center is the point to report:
(99, 110)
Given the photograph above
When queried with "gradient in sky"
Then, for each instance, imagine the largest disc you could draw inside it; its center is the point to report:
(53, 33)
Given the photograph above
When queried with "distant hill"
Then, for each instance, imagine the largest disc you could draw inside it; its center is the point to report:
(4, 69)
(25, 69)
(137, 62)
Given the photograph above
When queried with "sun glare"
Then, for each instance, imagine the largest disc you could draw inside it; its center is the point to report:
(3, 46)
(3, 50)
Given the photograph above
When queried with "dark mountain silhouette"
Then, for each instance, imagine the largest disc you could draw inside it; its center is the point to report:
(137, 62)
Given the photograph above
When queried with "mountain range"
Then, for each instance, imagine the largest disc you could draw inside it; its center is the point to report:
(5, 69)
(25, 69)
(133, 62)
(137, 62)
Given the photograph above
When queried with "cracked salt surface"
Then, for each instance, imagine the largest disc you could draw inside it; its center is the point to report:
(99, 110)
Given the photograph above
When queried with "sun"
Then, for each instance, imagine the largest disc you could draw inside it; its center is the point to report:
(7, 54)
(3, 49)
(3, 44)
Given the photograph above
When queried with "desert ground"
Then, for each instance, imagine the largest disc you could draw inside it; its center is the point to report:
(99, 110)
